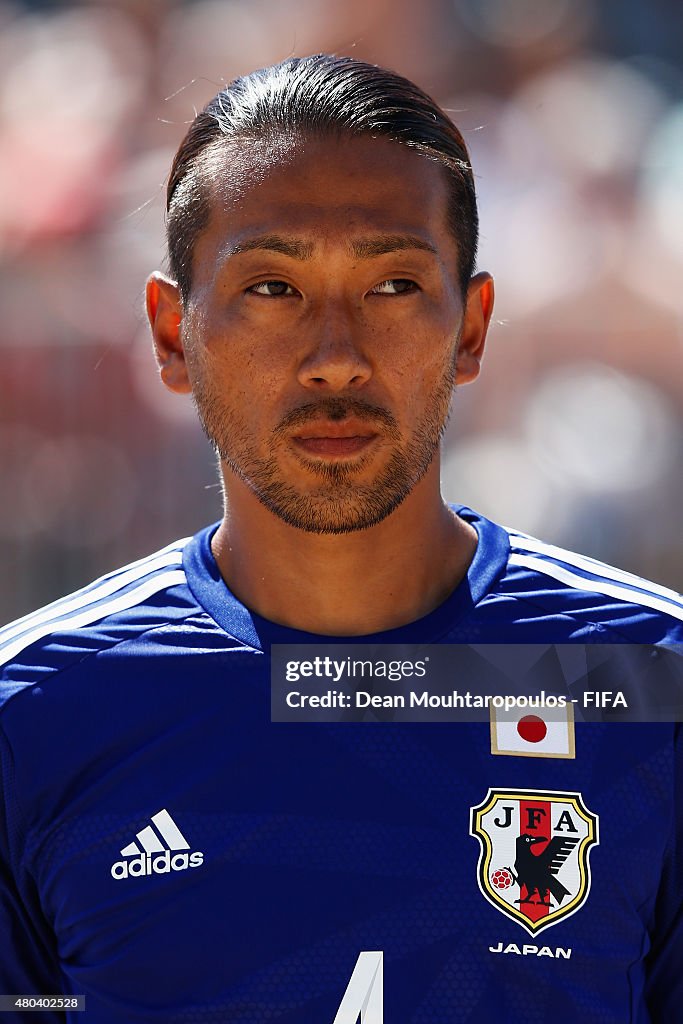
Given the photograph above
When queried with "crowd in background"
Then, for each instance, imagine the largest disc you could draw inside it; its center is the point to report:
(573, 113)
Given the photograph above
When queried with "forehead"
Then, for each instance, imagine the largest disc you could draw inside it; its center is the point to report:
(325, 190)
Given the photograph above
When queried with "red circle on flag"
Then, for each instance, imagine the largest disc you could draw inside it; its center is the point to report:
(532, 728)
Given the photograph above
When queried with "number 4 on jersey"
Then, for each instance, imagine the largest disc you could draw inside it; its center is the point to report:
(364, 996)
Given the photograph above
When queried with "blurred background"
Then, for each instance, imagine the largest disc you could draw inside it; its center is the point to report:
(573, 112)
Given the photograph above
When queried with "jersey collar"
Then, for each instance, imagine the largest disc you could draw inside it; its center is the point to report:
(212, 593)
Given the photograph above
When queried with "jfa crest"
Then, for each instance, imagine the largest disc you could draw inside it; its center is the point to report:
(533, 865)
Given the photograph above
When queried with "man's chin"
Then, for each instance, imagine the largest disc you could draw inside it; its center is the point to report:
(337, 496)
(333, 516)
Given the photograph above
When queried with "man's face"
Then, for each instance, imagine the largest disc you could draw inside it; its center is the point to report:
(321, 333)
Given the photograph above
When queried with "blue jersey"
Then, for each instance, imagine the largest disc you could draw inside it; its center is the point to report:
(169, 852)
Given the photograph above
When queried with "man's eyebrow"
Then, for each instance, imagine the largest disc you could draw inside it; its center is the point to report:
(361, 248)
(366, 248)
(298, 250)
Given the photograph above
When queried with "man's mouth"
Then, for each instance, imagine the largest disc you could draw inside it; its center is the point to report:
(334, 439)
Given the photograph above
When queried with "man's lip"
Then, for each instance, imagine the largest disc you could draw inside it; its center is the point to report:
(335, 438)
(327, 429)
(335, 447)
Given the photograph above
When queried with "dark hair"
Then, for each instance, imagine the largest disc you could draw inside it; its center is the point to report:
(318, 96)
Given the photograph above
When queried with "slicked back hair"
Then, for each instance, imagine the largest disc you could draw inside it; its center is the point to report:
(317, 97)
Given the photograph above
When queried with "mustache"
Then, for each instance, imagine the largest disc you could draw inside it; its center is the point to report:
(335, 409)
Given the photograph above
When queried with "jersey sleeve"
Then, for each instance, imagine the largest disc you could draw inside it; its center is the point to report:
(28, 960)
(664, 986)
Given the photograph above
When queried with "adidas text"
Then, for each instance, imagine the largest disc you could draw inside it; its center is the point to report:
(155, 864)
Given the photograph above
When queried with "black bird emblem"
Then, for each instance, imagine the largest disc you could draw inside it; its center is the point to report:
(536, 872)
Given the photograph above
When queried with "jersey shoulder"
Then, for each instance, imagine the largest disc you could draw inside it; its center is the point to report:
(124, 604)
(623, 604)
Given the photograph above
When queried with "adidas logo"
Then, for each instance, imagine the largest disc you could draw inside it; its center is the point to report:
(155, 858)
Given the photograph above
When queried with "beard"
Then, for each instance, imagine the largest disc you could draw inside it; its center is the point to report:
(337, 503)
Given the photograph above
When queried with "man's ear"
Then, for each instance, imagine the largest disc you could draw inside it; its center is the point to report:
(164, 309)
(474, 327)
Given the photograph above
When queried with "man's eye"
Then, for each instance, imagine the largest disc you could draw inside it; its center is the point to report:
(395, 286)
(271, 288)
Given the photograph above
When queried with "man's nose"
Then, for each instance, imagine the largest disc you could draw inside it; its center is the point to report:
(336, 358)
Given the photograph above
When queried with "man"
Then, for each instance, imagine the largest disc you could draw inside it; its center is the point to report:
(167, 850)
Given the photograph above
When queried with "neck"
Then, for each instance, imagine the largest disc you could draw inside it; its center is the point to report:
(348, 584)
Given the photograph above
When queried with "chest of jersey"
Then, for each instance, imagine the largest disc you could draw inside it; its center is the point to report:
(189, 850)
